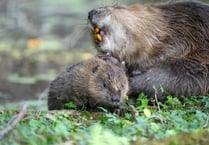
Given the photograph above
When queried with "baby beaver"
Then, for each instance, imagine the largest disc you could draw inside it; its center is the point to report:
(89, 84)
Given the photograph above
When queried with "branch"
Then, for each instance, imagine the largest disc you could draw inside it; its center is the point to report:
(134, 112)
(206, 124)
(12, 124)
(42, 96)
(158, 105)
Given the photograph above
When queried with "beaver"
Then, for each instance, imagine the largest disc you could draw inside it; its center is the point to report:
(89, 84)
(168, 44)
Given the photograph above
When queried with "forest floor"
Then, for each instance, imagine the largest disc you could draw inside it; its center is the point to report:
(174, 122)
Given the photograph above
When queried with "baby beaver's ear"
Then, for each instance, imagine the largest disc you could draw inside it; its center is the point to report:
(95, 68)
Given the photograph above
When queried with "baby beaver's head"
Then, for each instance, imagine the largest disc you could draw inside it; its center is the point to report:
(108, 85)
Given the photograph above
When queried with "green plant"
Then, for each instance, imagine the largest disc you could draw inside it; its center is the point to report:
(70, 105)
(187, 117)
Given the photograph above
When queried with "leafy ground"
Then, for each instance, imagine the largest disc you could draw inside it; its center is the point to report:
(174, 122)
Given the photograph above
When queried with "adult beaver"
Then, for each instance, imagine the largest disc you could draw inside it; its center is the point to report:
(168, 44)
(89, 84)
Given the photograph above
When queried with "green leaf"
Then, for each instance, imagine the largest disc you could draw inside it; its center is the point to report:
(147, 113)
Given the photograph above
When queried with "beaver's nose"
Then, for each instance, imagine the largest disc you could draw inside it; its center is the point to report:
(116, 98)
(92, 13)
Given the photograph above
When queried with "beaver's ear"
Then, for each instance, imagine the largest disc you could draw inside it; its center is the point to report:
(95, 68)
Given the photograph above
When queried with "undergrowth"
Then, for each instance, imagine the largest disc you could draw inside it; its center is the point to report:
(174, 122)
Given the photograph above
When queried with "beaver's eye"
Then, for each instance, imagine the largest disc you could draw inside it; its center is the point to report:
(105, 85)
(120, 7)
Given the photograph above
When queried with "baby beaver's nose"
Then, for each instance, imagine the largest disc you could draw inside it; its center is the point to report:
(92, 13)
(116, 98)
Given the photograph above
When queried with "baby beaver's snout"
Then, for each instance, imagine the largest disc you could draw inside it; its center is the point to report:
(116, 98)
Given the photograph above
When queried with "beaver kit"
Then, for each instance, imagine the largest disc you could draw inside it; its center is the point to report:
(168, 44)
(89, 84)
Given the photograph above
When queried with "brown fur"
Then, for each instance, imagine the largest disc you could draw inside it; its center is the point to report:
(168, 43)
(89, 84)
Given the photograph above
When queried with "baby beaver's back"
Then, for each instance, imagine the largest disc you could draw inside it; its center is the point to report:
(89, 84)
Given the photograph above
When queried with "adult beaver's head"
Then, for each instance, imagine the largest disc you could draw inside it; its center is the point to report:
(129, 33)
(106, 31)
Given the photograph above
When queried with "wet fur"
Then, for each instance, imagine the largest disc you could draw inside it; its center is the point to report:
(89, 84)
(168, 43)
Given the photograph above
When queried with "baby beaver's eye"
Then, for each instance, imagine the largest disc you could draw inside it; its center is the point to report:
(105, 85)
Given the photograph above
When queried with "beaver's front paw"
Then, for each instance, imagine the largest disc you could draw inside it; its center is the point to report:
(108, 57)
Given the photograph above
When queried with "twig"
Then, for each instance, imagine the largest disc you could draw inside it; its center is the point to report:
(134, 111)
(41, 97)
(206, 124)
(12, 124)
(160, 117)
(158, 105)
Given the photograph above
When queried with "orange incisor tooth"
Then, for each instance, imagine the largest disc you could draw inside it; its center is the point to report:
(98, 37)
(96, 30)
